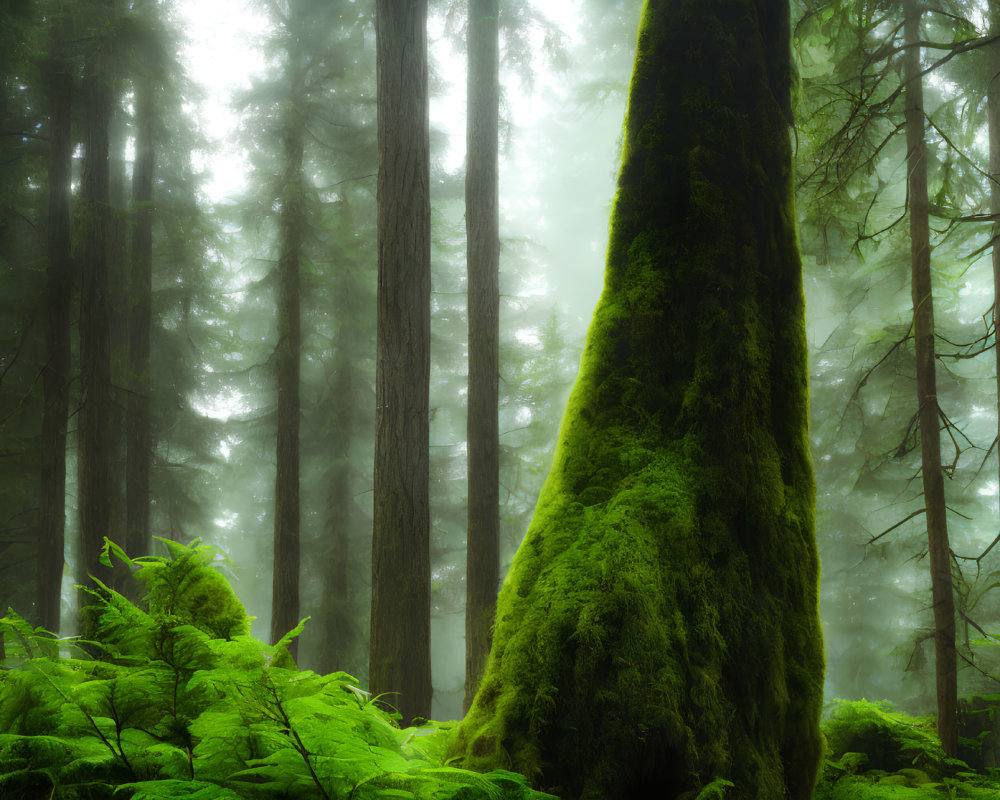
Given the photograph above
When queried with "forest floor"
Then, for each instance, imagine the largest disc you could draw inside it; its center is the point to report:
(876, 753)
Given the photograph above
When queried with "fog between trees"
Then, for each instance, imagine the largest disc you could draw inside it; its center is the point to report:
(214, 287)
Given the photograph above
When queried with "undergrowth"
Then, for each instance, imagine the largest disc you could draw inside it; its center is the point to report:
(876, 753)
(177, 700)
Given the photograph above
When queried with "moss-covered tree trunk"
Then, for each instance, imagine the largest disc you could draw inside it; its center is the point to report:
(938, 547)
(659, 628)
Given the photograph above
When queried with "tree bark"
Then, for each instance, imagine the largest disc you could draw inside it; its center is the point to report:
(139, 445)
(939, 550)
(56, 375)
(336, 620)
(993, 113)
(94, 460)
(285, 584)
(482, 225)
(659, 630)
(118, 281)
(399, 662)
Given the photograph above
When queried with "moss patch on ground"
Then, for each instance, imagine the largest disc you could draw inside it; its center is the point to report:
(876, 753)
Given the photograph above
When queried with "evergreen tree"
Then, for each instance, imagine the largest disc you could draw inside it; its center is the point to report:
(852, 132)
(23, 246)
(400, 615)
(658, 633)
(138, 421)
(930, 441)
(59, 78)
(95, 451)
(285, 583)
(482, 217)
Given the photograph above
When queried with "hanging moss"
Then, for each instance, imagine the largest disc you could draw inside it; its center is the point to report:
(658, 633)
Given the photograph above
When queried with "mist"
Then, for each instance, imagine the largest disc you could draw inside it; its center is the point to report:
(216, 91)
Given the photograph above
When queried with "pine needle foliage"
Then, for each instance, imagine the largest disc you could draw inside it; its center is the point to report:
(174, 699)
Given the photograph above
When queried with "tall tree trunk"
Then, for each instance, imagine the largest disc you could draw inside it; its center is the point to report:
(59, 293)
(337, 630)
(659, 631)
(139, 431)
(400, 655)
(482, 225)
(993, 112)
(285, 585)
(119, 277)
(94, 460)
(939, 550)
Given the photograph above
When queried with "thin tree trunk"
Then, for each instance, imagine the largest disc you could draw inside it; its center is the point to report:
(285, 585)
(94, 460)
(400, 662)
(993, 107)
(139, 432)
(930, 439)
(337, 629)
(482, 224)
(55, 378)
(119, 278)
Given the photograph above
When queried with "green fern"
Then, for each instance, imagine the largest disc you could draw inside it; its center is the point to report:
(175, 699)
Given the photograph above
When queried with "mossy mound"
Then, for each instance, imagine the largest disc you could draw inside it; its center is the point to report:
(658, 634)
(876, 753)
(890, 741)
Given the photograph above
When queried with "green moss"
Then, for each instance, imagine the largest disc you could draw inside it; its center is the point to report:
(659, 629)
(876, 753)
(892, 742)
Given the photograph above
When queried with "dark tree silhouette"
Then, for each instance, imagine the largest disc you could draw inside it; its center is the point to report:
(94, 484)
(58, 74)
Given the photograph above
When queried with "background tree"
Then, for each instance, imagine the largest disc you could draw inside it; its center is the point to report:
(23, 203)
(139, 423)
(285, 584)
(400, 614)
(682, 485)
(482, 221)
(923, 336)
(59, 77)
(95, 451)
(854, 208)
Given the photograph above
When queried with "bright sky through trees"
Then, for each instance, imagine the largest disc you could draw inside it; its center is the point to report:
(223, 54)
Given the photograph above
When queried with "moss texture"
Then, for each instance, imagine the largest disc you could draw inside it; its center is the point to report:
(659, 628)
(876, 753)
